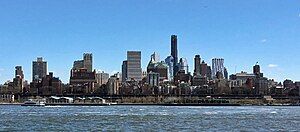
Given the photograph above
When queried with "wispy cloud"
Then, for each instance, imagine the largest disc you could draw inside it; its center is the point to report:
(263, 40)
(272, 65)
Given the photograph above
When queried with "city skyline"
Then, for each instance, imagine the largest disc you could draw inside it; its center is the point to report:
(257, 38)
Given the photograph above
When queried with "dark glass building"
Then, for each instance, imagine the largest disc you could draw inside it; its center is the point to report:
(174, 53)
(197, 66)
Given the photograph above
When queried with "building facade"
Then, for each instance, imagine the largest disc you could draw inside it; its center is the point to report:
(197, 65)
(88, 61)
(170, 62)
(174, 53)
(153, 79)
(183, 65)
(134, 69)
(39, 69)
(217, 66)
(102, 78)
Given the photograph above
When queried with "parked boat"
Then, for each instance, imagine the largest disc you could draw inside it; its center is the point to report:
(32, 102)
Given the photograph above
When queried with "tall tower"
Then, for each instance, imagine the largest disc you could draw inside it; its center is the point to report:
(170, 62)
(197, 68)
(225, 73)
(39, 69)
(88, 61)
(19, 72)
(134, 68)
(256, 69)
(124, 71)
(174, 53)
(208, 72)
(217, 66)
(203, 69)
(183, 64)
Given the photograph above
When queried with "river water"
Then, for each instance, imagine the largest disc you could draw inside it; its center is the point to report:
(150, 118)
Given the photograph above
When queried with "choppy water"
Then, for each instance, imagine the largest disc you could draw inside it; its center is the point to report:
(149, 118)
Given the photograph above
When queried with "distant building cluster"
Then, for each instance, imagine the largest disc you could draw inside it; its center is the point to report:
(169, 77)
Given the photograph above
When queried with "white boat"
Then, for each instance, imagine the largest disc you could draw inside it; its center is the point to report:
(32, 102)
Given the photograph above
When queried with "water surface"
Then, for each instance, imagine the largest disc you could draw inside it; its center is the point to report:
(149, 118)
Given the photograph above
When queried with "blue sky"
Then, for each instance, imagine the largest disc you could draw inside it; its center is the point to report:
(242, 32)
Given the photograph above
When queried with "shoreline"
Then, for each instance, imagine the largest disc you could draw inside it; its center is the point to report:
(147, 104)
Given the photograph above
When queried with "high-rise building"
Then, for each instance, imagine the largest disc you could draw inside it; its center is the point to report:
(174, 53)
(197, 66)
(170, 61)
(18, 80)
(124, 71)
(158, 67)
(102, 78)
(50, 85)
(134, 69)
(83, 77)
(113, 85)
(256, 70)
(19, 72)
(183, 65)
(39, 69)
(217, 66)
(78, 64)
(225, 73)
(83, 81)
(209, 73)
(203, 69)
(155, 57)
(88, 61)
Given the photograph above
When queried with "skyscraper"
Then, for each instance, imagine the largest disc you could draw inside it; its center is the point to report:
(88, 61)
(18, 81)
(217, 66)
(170, 61)
(225, 73)
(197, 68)
(208, 73)
(102, 78)
(183, 65)
(134, 70)
(203, 69)
(124, 71)
(174, 53)
(39, 69)
(256, 70)
(78, 64)
(19, 72)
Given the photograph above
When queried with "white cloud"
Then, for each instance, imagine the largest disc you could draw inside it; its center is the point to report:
(263, 40)
(272, 65)
(299, 15)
